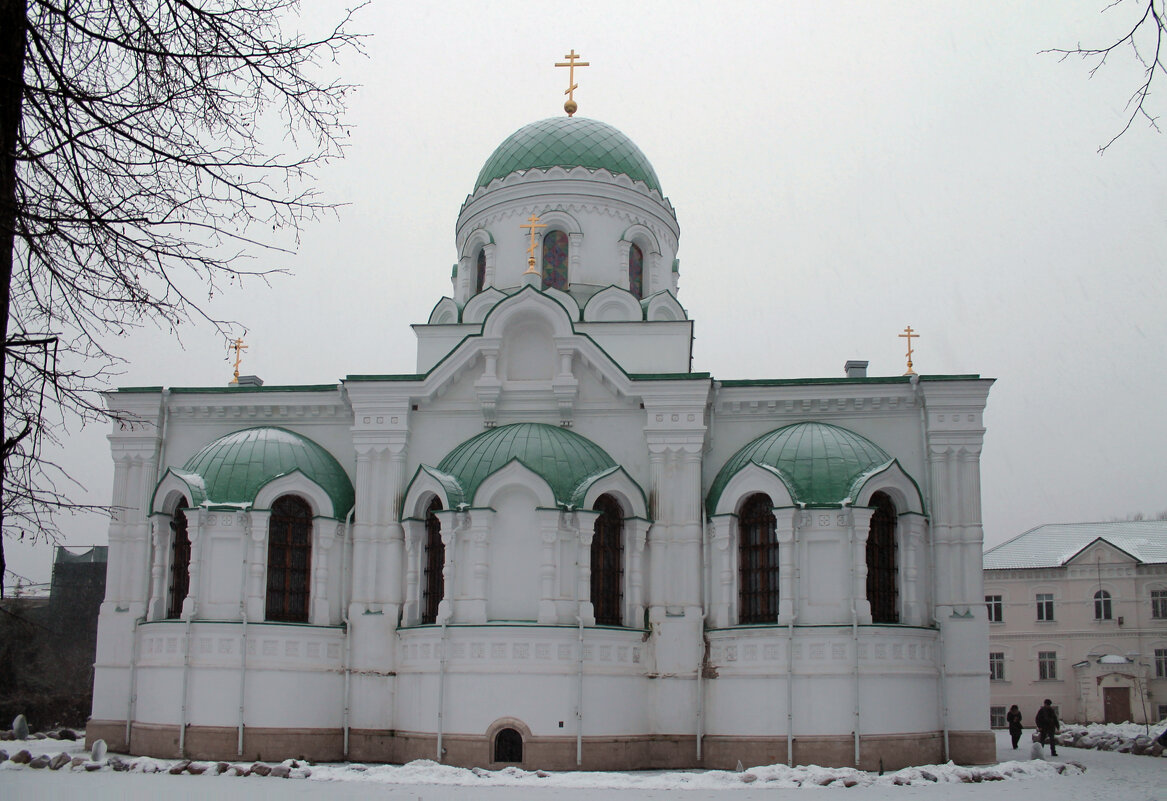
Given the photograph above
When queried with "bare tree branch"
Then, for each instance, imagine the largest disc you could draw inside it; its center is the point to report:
(1144, 38)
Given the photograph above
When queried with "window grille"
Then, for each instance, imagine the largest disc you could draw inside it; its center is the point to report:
(480, 271)
(179, 562)
(555, 251)
(608, 562)
(636, 271)
(997, 717)
(435, 561)
(758, 565)
(1161, 663)
(289, 560)
(881, 561)
(1159, 604)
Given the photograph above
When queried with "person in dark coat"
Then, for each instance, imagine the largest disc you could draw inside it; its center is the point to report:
(1013, 718)
(1047, 726)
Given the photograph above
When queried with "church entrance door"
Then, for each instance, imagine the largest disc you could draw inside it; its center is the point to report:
(1116, 704)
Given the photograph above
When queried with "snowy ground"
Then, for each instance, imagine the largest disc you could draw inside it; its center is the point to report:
(1108, 775)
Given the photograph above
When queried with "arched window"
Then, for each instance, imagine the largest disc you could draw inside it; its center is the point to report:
(179, 561)
(480, 280)
(289, 559)
(555, 260)
(881, 561)
(435, 560)
(758, 561)
(608, 562)
(1102, 609)
(508, 746)
(636, 271)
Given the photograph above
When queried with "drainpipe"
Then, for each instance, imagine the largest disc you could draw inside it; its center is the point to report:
(579, 695)
(854, 633)
(348, 635)
(704, 643)
(790, 652)
(133, 700)
(442, 687)
(185, 685)
(242, 633)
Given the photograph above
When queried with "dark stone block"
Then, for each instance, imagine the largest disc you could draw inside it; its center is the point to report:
(59, 761)
(260, 769)
(22, 757)
(39, 762)
(280, 772)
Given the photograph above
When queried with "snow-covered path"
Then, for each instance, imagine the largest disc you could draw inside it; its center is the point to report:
(1109, 775)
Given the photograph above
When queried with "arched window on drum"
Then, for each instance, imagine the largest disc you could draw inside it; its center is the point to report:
(555, 257)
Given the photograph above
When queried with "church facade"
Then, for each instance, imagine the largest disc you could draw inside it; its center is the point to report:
(553, 544)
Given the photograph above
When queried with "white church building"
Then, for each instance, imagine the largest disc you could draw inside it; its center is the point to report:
(552, 544)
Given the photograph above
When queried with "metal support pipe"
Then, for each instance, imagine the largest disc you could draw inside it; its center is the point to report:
(133, 699)
(182, 721)
(854, 632)
(579, 695)
(442, 687)
(243, 635)
(348, 634)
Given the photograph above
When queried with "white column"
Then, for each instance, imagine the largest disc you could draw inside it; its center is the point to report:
(636, 535)
(784, 533)
(585, 520)
(257, 566)
(324, 535)
(547, 613)
(161, 537)
(860, 520)
(723, 567)
(197, 535)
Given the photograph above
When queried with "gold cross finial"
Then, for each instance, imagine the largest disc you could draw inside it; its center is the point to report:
(238, 347)
(909, 334)
(570, 106)
(533, 224)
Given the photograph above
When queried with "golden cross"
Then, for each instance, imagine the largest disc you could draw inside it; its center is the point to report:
(909, 334)
(533, 224)
(570, 106)
(238, 347)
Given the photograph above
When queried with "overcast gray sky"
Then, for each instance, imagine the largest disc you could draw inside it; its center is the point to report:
(839, 171)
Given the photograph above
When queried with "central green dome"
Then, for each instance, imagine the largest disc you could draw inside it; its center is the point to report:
(564, 459)
(568, 142)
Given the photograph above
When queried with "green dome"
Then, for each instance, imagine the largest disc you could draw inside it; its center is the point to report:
(235, 467)
(564, 459)
(819, 462)
(568, 142)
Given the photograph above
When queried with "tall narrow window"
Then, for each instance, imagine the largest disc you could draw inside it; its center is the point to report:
(881, 561)
(1161, 664)
(758, 561)
(435, 560)
(289, 560)
(636, 271)
(555, 260)
(179, 562)
(480, 280)
(997, 717)
(1102, 609)
(608, 562)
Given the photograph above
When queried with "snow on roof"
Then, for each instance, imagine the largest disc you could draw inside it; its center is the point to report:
(1054, 544)
(1113, 659)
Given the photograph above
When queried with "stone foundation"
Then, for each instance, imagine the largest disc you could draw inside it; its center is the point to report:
(888, 751)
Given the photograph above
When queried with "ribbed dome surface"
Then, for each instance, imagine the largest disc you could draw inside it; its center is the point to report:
(568, 142)
(820, 462)
(236, 466)
(562, 458)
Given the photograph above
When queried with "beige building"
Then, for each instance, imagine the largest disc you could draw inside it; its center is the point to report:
(1078, 614)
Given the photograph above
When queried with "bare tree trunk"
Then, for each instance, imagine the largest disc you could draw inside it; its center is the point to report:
(13, 20)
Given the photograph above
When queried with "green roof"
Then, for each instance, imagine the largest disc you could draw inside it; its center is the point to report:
(562, 458)
(568, 142)
(235, 467)
(819, 462)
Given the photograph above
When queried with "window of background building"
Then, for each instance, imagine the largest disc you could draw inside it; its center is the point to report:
(1047, 665)
(996, 608)
(1102, 610)
(1162, 711)
(1045, 606)
(1161, 665)
(997, 717)
(996, 666)
(1159, 604)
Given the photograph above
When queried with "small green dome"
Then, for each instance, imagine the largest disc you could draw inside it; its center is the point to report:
(819, 462)
(568, 142)
(564, 459)
(235, 467)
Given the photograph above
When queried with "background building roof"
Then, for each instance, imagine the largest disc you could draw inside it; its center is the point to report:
(1054, 544)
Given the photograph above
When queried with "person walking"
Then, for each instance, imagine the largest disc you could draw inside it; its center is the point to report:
(1047, 726)
(1013, 718)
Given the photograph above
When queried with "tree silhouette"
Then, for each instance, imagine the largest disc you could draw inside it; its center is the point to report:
(147, 147)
